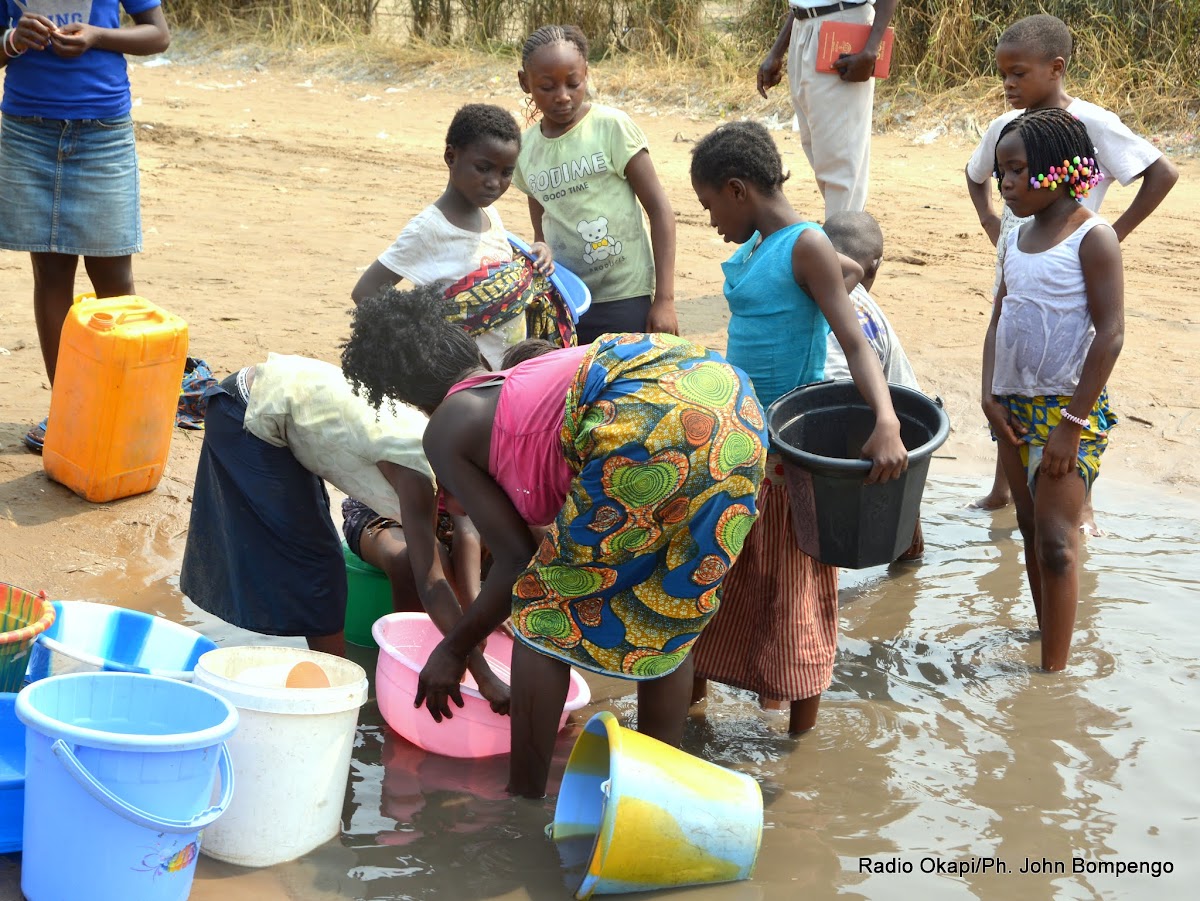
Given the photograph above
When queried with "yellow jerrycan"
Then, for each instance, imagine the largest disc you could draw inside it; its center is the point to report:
(116, 390)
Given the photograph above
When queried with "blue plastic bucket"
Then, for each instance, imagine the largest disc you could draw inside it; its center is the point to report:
(87, 637)
(636, 814)
(12, 774)
(119, 777)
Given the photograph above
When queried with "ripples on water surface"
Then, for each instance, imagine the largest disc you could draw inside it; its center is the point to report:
(939, 742)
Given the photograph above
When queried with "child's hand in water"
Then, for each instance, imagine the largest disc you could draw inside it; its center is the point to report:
(440, 681)
(885, 450)
(543, 258)
(495, 692)
(1001, 422)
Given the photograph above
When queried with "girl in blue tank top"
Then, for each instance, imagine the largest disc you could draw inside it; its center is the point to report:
(776, 630)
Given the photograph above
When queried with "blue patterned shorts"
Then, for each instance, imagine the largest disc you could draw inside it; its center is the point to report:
(1039, 415)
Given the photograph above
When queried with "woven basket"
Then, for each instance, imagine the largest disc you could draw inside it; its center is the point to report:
(23, 617)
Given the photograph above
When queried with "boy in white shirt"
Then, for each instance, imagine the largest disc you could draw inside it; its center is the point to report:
(858, 237)
(461, 231)
(1032, 57)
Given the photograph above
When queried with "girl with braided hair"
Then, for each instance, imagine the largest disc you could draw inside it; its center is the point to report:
(588, 174)
(1056, 331)
(642, 454)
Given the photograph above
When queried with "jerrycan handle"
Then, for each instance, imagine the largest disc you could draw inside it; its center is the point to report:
(136, 316)
(103, 322)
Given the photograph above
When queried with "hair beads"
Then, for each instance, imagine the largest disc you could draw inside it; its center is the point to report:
(1079, 174)
(1058, 148)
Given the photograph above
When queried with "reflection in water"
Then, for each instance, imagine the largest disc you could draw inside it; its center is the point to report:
(940, 745)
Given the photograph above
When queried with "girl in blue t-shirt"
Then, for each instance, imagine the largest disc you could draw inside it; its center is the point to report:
(776, 630)
(68, 167)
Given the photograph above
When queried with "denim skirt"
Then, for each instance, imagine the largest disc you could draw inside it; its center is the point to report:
(69, 186)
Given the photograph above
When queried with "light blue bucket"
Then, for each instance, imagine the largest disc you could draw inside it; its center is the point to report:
(88, 637)
(119, 777)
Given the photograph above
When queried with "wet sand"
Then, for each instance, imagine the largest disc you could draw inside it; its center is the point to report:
(265, 193)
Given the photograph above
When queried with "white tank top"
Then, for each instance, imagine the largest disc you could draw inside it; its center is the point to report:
(1045, 327)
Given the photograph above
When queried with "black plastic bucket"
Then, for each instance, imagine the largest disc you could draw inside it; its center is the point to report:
(820, 430)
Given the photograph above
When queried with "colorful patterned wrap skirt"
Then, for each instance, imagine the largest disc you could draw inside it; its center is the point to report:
(1041, 414)
(668, 444)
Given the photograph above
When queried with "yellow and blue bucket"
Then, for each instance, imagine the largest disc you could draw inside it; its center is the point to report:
(658, 817)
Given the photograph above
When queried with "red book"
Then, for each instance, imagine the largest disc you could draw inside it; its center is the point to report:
(837, 39)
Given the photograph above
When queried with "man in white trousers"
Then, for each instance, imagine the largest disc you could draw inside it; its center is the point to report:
(833, 110)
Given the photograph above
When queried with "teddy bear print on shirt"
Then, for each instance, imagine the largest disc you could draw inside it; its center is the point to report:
(598, 243)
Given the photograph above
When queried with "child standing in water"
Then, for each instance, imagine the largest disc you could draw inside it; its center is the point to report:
(1032, 57)
(776, 633)
(1056, 331)
(639, 456)
(588, 174)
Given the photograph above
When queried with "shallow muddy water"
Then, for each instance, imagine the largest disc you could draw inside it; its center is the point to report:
(943, 764)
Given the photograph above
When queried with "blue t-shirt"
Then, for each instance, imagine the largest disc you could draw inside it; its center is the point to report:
(92, 86)
(777, 333)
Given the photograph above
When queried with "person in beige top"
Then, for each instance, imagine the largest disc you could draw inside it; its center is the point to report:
(262, 551)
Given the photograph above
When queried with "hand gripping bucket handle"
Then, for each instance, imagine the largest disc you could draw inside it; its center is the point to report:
(93, 787)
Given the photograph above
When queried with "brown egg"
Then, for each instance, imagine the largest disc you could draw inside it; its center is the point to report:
(306, 674)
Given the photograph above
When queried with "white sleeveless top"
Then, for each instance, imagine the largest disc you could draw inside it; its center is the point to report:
(1045, 328)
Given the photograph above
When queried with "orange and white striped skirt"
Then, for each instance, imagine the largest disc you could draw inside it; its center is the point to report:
(775, 632)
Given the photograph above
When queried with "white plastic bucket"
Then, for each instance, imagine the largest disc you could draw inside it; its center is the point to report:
(291, 753)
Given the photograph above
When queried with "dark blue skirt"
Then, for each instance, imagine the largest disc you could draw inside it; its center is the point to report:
(262, 551)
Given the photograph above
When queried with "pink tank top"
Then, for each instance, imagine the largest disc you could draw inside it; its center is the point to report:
(526, 457)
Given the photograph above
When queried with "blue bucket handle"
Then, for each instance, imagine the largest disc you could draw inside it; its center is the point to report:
(93, 787)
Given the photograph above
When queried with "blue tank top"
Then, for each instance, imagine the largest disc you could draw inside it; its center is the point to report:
(777, 333)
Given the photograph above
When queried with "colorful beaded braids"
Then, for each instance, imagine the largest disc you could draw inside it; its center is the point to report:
(1051, 136)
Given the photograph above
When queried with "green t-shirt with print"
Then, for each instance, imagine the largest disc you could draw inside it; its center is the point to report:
(592, 221)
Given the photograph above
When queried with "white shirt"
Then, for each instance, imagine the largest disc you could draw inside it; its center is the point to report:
(1045, 327)
(431, 249)
(308, 407)
(883, 340)
(814, 4)
(1120, 154)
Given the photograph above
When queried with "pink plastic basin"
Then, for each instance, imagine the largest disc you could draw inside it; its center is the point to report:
(405, 642)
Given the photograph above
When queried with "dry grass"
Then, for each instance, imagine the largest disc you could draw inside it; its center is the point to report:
(1140, 58)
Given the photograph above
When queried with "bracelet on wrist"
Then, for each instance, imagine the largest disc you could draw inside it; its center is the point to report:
(10, 44)
(1071, 417)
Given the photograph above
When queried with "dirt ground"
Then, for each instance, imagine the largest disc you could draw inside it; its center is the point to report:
(266, 191)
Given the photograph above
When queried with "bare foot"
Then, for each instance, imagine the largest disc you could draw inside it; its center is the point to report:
(994, 500)
(699, 690)
(916, 550)
(1087, 520)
